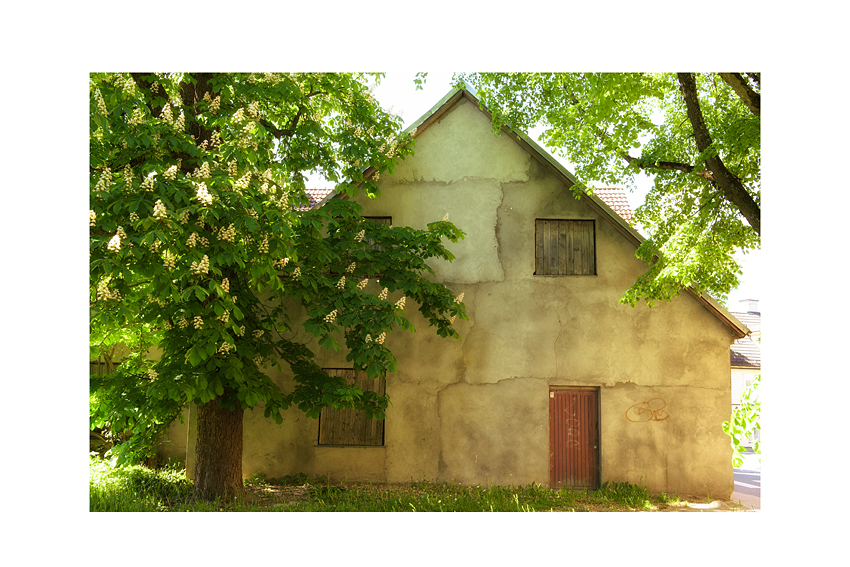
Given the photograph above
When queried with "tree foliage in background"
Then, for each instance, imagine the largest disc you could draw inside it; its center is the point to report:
(745, 422)
(697, 134)
(200, 256)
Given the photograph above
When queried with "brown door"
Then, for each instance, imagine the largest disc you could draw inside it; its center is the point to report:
(574, 437)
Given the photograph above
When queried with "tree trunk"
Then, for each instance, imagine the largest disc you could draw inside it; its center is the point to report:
(218, 452)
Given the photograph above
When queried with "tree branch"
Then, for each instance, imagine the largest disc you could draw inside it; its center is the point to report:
(733, 189)
(750, 98)
(667, 166)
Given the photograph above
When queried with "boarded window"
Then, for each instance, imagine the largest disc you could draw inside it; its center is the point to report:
(98, 368)
(348, 426)
(565, 248)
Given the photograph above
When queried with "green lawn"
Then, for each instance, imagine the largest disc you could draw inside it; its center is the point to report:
(140, 489)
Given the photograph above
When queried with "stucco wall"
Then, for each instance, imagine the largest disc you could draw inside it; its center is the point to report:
(477, 410)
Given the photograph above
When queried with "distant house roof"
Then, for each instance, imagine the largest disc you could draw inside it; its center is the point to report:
(746, 352)
(317, 197)
(615, 197)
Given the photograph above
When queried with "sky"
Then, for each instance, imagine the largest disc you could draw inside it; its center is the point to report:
(397, 92)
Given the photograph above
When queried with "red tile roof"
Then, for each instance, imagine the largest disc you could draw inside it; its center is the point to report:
(615, 197)
(316, 196)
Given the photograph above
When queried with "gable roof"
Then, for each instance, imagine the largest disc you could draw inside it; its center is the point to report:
(596, 203)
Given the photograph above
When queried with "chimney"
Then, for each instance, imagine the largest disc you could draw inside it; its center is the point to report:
(750, 306)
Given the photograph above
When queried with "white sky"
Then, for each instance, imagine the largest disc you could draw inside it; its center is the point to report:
(397, 92)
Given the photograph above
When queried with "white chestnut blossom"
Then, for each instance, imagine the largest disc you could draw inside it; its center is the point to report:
(341, 283)
(362, 284)
(105, 180)
(114, 244)
(297, 272)
(383, 294)
(228, 233)
(225, 285)
(138, 117)
(105, 294)
(128, 175)
(203, 267)
(360, 235)
(92, 217)
(381, 338)
(330, 317)
(400, 303)
(170, 173)
(166, 115)
(459, 298)
(159, 210)
(101, 104)
(147, 184)
(351, 267)
(243, 182)
(203, 195)
(198, 322)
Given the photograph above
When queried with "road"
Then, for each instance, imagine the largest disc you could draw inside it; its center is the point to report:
(748, 482)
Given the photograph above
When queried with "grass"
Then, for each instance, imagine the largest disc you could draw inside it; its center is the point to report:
(140, 489)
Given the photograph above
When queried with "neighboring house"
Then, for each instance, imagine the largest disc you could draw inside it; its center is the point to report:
(745, 354)
(554, 381)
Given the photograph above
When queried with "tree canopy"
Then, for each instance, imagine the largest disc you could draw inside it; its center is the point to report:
(698, 134)
(202, 249)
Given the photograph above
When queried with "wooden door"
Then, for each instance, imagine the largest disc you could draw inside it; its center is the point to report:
(574, 437)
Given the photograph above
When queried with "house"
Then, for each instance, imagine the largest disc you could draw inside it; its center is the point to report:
(745, 354)
(554, 381)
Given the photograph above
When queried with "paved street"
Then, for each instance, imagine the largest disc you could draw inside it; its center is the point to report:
(748, 482)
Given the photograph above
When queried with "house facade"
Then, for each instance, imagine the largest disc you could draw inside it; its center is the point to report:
(745, 354)
(554, 381)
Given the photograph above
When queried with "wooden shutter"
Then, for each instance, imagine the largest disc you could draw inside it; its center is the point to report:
(565, 248)
(348, 426)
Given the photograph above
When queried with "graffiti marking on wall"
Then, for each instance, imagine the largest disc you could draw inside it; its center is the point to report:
(651, 410)
(572, 426)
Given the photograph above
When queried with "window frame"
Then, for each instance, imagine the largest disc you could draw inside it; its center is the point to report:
(354, 423)
(571, 233)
